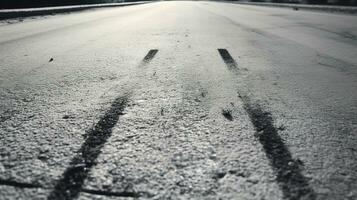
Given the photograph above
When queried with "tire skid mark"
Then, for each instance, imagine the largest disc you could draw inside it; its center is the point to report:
(149, 56)
(70, 185)
(18, 184)
(227, 58)
(73, 178)
(289, 174)
(293, 184)
(227, 113)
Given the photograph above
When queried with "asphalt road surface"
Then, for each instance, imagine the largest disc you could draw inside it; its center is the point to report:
(179, 100)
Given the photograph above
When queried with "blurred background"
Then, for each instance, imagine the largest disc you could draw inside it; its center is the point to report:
(43, 3)
(324, 2)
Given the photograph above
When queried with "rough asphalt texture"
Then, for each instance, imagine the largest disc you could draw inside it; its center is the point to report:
(179, 100)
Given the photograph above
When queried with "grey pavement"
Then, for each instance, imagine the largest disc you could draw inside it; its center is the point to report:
(179, 100)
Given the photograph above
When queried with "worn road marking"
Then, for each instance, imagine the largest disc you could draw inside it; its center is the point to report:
(227, 58)
(289, 176)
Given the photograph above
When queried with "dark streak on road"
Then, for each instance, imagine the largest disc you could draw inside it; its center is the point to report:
(150, 55)
(289, 176)
(227, 114)
(115, 194)
(73, 178)
(227, 58)
(18, 184)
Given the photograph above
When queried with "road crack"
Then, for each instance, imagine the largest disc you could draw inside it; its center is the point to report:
(18, 184)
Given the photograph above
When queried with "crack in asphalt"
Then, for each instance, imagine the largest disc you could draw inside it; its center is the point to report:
(289, 175)
(89, 191)
(335, 63)
(344, 33)
(18, 184)
(110, 193)
(73, 178)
